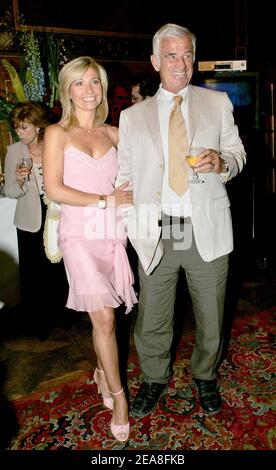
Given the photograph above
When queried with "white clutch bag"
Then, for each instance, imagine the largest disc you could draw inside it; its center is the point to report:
(50, 233)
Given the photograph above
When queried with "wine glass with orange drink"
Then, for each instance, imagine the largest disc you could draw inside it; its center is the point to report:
(192, 157)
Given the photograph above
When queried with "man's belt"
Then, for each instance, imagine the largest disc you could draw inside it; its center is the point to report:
(173, 220)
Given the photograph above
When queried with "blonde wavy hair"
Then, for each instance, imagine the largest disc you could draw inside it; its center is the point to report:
(72, 71)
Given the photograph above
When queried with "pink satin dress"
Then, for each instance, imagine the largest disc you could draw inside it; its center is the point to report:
(93, 240)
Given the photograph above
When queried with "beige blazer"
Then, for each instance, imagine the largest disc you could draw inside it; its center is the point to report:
(28, 208)
(141, 160)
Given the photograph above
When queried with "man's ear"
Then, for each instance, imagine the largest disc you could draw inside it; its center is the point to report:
(154, 62)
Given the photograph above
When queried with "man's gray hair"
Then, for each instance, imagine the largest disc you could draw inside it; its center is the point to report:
(171, 30)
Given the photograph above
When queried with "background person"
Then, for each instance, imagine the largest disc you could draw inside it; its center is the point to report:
(40, 280)
(200, 210)
(143, 87)
(119, 99)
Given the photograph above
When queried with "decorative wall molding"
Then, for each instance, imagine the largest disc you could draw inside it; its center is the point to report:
(105, 20)
(103, 45)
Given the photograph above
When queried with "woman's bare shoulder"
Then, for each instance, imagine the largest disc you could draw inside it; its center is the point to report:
(55, 129)
(56, 133)
(113, 133)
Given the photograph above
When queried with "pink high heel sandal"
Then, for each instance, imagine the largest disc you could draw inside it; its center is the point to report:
(119, 431)
(107, 399)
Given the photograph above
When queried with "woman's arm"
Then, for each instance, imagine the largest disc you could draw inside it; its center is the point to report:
(113, 133)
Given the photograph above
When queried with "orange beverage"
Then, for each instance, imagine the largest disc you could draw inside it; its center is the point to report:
(191, 160)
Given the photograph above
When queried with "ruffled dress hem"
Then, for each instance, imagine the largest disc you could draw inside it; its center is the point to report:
(93, 303)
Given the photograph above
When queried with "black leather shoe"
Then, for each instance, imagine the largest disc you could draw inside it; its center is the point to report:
(147, 398)
(209, 396)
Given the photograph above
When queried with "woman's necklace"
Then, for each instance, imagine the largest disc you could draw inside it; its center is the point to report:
(36, 155)
(89, 131)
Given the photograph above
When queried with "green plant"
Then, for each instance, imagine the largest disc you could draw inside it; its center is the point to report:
(55, 57)
(15, 80)
(5, 111)
(34, 82)
(29, 82)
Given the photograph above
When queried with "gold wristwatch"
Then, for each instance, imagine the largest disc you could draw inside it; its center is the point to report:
(102, 202)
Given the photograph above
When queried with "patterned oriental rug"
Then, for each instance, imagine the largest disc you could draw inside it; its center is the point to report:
(71, 416)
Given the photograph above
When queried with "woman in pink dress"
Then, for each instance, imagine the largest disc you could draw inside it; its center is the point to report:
(80, 168)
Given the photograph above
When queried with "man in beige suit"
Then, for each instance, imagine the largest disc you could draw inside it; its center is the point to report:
(171, 230)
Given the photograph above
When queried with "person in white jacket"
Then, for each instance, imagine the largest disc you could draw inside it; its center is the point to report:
(159, 215)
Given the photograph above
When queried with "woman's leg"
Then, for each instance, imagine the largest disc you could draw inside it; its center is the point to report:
(105, 345)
